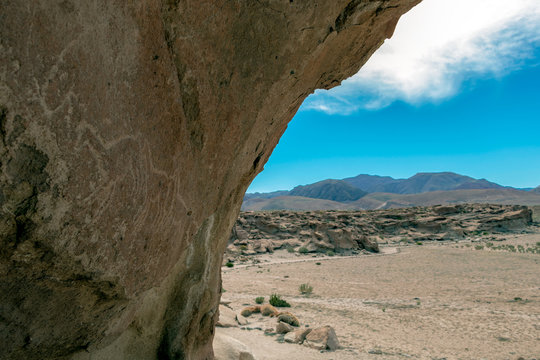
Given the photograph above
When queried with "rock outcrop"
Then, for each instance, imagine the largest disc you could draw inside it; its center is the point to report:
(129, 132)
(321, 231)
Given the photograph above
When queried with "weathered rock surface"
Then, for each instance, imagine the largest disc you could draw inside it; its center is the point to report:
(228, 348)
(269, 310)
(247, 311)
(322, 338)
(129, 132)
(352, 230)
(227, 317)
(297, 336)
(283, 328)
(288, 318)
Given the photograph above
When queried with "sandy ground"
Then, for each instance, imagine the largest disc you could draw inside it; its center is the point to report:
(435, 301)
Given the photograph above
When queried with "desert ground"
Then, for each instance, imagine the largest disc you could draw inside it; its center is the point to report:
(467, 299)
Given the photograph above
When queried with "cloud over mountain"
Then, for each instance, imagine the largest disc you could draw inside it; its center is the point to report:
(436, 47)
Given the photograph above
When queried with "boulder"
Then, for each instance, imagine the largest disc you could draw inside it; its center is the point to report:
(228, 348)
(227, 317)
(283, 328)
(297, 336)
(247, 311)
(342, 239)
(368, 243)
(269, 310)
(241, 320)
(263, 246)
(288, 318)
(322, 338)
(447, 210)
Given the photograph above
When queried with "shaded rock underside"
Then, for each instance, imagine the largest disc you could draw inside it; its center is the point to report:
(129, 132)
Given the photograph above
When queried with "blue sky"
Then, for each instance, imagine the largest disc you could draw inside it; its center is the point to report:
(463, 97)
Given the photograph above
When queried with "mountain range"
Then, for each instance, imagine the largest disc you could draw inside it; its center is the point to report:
(381, 192)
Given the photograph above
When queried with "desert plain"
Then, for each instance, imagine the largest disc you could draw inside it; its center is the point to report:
(472, 298)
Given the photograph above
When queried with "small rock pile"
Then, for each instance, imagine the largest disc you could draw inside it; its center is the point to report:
(287, 324)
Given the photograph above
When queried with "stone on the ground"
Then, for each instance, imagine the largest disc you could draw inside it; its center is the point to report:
(250, 310)
(297, 336)
(241, 319)
(283, 328)
(227, 317)
(269, 310)
(288, 318)
(322, 338)
(228, 348)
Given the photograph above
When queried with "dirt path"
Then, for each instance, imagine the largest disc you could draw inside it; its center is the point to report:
(270, 260)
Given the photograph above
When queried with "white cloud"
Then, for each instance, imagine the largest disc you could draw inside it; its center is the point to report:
(436, 46)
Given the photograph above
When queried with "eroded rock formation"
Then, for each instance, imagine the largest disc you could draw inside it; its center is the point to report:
(321, 231)
(129, 131)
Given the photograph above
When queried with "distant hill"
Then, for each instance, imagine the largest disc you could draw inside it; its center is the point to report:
(380, 192)
(373, 183)
(390, 201)
(419, 183)
(478, 184)
(269, 195)
(492, 196)
(335, 190)
(339, 190)
(294, 203)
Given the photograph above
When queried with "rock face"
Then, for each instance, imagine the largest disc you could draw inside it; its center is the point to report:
(129, 132)
(320, 231)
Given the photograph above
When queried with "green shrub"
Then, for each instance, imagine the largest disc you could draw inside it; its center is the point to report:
(303, 250)
(277, 301)
(229, 264)
(317, 263)
(305, 289)
(290, 249)
(479, 247)
(419, 243)
(259, 299)
(330, 253)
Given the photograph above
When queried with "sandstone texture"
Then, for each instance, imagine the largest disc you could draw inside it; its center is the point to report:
(129, 132)
(297, 336)
(283, 328)
(228, 348)
(322, 338)
(322, 231)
